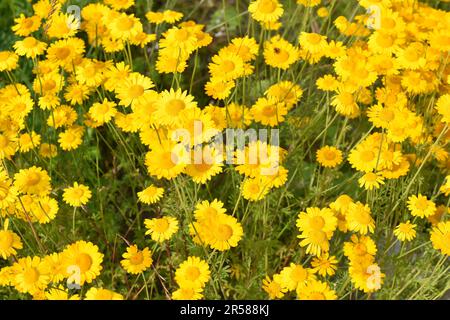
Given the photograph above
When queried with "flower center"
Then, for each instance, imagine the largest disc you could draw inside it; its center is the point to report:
(282, 55)
(317, 223)
(161, 225)
(62, 53)
(269, 111)
(166, 160)
(78, 192)
(267, 6)
(192, 273)
(329, 155)
(360, 249)
(422, 203)
(317, 296)
(136, 91)
(33, 178)
(385, 40)
(4, 55)
(29, 42)
(314, 38)
(137, 258)
(228, 66)
(174, 106)
(224, 232)
(31, 275)
(84, 261)
(363, 217)
(49, 85)
(203, 167)
(299, 274)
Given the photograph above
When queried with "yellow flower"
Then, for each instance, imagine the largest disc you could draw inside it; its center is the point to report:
(420, 206)
(170, 105)
(273, 287)
(359, 218)
(8, 60)
(315, 241)
(161, 229)
(265, 10)
(8, 192)
(323, 12)
(150, 194)
(313, 42)
(77, 195)
(171, 16)
(30, 47)
(226, 66)
(136, 261)
(8, 144)
(359, 248)
(219, 89)
(279, 53)
(43, 209)
(71, 138)
(76, 93)
(47, 150)
(440, 237)
(65, 52)
(28, 141)
(9, 242)
(285, 91)
(61, 25)
(123, 26)
(102, 294)
(268, 112)
(131, 90)
(405, 231)
(187, 294)
(103, 112)
(226, 232)
(29, 275)
(192, 273)
(181, 41)
(316, 290)
(60, 293)
(120, 4)
(371, 180)
(170, 62)
(166, 160)
(329, 156)
(62, 116)
(317, 219)
(324, 265)
(293, 276)
(206, 163)
(82, 260)
(52, 263)
(24, 26)
(245, 47)
(443, 107)
(255, 189)
(33, 180)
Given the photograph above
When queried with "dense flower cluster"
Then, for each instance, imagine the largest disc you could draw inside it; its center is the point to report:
(329, 205)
